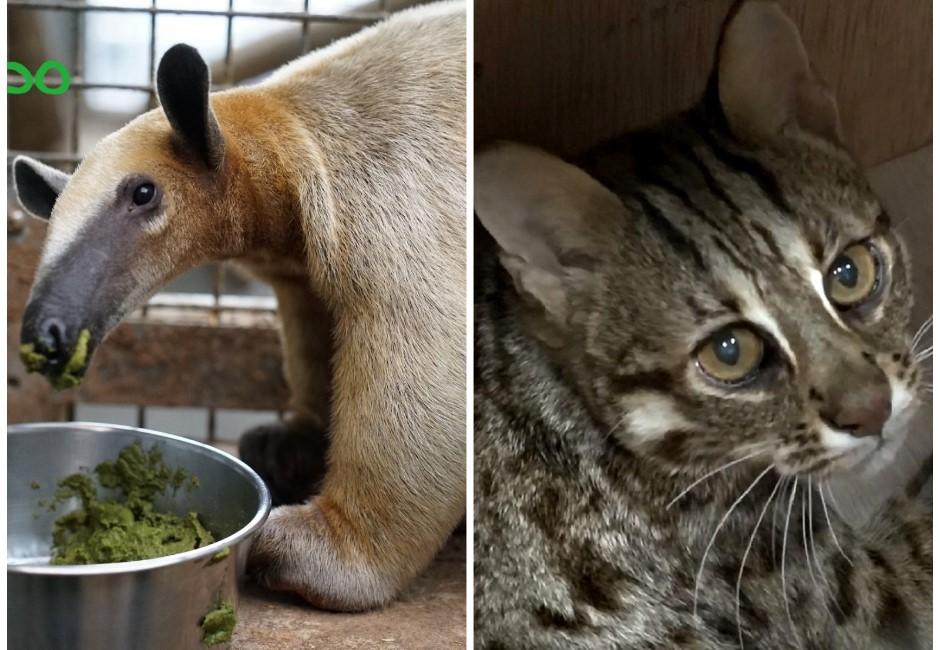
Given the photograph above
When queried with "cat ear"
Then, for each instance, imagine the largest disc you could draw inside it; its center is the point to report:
(765, 79)
(546, 217)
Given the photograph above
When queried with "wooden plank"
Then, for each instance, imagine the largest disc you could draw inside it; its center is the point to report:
(567, 74)
(222, 366)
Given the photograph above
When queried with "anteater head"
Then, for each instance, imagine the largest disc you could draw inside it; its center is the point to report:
(150, 201)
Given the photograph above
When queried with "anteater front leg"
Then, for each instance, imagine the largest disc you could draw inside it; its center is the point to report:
(395, 487)
(291, 455)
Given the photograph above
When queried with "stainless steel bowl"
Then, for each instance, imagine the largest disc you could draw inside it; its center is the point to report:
(154, 603)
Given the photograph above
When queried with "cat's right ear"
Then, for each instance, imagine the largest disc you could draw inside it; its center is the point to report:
(765, 79)
(547, 217)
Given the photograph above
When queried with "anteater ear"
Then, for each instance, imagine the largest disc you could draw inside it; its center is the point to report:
(37, 185)
(765, 79)
(548, 218)
(183, 87)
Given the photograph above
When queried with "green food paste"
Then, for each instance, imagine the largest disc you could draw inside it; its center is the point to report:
(129, 527)
(69, 377)
(221, 555)
(218, 625)
(34, 361)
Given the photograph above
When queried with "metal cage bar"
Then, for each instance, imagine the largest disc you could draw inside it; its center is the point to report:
(353, 18)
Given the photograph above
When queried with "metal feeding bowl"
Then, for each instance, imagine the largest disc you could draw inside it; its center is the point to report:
(150, 604)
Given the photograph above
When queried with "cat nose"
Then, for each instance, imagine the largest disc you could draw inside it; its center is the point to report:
(860, 412)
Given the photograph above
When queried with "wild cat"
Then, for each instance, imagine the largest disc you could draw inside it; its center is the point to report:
(679, 340)
(341, 181)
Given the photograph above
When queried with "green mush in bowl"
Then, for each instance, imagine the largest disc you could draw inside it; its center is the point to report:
(128, 526)
(70, 375)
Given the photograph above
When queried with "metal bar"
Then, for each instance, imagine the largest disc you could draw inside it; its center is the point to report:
(211, 425)
(218, 277)
(45, 156)
(78, 83)
(141, 416)
(304, 28)
(358, 18)
(207, 301)
(77, 66)
(218, 284)
(152, 56)
(228, 44)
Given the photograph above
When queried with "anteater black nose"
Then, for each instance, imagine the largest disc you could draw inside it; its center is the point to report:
(52, 336)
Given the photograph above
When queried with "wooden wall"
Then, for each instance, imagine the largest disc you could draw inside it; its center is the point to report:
(565, 74)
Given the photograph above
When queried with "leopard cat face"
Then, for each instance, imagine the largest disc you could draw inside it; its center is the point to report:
(756, 301)
(725, 286)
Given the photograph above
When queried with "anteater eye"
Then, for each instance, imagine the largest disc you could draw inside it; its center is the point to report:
(732, 355)
(853, 276)
(143, 194)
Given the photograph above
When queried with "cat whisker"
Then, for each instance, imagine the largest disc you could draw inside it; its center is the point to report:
(747, 550)
(921, 331)
(783, 561)
(809, 564)
(832, 530)
(761, 450)
(777, 506)
(714, 536)
(812, 543)
(923, 355)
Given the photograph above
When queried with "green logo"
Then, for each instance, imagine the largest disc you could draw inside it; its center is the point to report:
(39, 79)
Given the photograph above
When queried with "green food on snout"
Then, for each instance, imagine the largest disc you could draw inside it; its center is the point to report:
(76, 363)
(34, 361)
(68, 378)
(218, 625)
(127, 528)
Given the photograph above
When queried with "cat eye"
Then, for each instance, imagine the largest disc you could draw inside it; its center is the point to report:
(732, 355)
(853, 276)
(143, 194)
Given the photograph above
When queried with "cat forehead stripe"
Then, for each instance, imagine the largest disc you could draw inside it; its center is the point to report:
(754, 310)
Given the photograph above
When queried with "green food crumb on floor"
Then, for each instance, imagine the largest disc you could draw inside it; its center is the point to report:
(218, 624)
(127, 528)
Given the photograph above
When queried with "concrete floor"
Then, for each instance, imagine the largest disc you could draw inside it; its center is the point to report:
(431, 614)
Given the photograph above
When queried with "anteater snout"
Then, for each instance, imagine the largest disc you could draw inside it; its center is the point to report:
(48, 341)
(53, 339)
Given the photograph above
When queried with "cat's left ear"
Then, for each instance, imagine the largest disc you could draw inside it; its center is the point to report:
(548, 218)
(765, 80)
